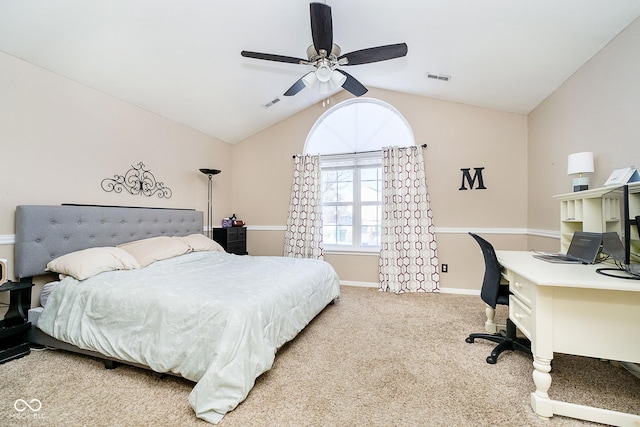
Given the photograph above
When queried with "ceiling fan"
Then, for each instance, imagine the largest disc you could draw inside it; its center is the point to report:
(326, 56)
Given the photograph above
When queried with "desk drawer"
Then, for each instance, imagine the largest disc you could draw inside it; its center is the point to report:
(522, 288)
(520, 314)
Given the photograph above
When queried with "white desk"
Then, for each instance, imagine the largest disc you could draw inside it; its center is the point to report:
(568, 308)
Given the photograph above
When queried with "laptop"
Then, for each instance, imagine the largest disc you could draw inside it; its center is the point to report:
(583, 249)
(612, 246)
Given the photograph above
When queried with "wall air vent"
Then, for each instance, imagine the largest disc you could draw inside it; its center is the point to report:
(441, 77)
(272, 102)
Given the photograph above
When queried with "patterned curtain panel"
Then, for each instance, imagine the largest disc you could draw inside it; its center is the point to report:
(303, 238)
(408, 258)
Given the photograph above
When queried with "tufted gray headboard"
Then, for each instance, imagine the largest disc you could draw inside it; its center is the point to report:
(46, 232)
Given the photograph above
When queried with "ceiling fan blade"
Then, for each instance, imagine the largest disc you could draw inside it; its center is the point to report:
(276, 58)
(353, 85)
(321, 27)
(375, 54)
(297, 87)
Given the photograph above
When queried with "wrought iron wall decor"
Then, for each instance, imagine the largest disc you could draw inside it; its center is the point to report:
(136, 180)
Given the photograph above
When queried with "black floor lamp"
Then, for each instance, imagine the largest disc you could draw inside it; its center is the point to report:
(209, 173)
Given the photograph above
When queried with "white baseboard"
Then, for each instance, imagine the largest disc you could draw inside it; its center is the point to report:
(359, 284)
(442, 290)
(460, 291)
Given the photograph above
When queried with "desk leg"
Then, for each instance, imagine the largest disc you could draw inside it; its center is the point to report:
(540, 402)
(490, 324)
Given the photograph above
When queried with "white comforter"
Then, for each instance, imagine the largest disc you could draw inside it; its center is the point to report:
(210, 317)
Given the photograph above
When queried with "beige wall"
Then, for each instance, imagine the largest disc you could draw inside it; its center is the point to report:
(59, 140)
(458, 136)
(597, 109)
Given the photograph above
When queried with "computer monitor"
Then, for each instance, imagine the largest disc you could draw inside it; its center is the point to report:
(620, 251)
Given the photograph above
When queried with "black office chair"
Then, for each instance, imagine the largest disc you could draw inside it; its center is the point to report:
(493, 293)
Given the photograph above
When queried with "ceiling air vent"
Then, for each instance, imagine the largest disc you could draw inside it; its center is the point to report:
(441, 77)
(272, 102)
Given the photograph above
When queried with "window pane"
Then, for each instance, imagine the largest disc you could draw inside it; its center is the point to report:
(370, 186)
(329, 215)
(370, 228)
(329, 186)
(329, 234)
(370, 174)
(370, 215)
(340, 235)
(337, 186)
(345, 175)
(363, 125)
(337, 223)
(370, 235)
(344, 235)
(345, 215)
(345, 185)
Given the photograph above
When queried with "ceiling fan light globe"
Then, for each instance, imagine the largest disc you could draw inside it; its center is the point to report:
(338, 79)
(325, 87)
(323, 73)
(310, 80)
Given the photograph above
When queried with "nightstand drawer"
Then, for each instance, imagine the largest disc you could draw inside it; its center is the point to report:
(232, 233)
(232, 239)
(11, 330)
(239, 248)
(14, 326)
(13, 341)
(521, 315)
(236, 233)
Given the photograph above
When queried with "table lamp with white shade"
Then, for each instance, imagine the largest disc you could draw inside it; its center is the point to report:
(580, 163)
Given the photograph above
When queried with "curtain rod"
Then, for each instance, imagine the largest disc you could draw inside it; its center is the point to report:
(361, 152)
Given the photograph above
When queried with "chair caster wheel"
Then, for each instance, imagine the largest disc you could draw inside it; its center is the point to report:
(492, 360)
(469, 340)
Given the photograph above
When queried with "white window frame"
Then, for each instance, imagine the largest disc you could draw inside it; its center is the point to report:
(355, 163)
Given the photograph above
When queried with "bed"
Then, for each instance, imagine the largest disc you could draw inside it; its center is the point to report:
(172, 301)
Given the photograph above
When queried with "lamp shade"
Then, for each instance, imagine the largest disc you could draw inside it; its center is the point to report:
(324, 79)
(580, 163)
(338, 79)
(310, 79)
(210, 171)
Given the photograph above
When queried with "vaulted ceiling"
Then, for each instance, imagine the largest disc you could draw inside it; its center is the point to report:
(181, 58)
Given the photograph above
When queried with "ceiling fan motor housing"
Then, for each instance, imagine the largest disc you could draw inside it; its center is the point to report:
(314, 55)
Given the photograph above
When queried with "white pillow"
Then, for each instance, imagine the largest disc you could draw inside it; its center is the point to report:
(46, 291)
(154, 249)
(200, 242)
(89, 262)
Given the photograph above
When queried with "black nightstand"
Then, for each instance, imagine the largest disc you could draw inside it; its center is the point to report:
(232, 239)
(14, 326)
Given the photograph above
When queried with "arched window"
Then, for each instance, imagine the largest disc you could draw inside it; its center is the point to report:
(358, 125)
(349, 138)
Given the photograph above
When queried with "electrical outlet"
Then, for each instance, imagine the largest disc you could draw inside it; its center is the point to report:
(444, 268)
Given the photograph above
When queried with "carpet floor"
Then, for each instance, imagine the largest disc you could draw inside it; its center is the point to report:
(371, 359)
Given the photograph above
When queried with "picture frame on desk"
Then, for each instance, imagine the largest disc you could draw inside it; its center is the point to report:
(623, 176)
